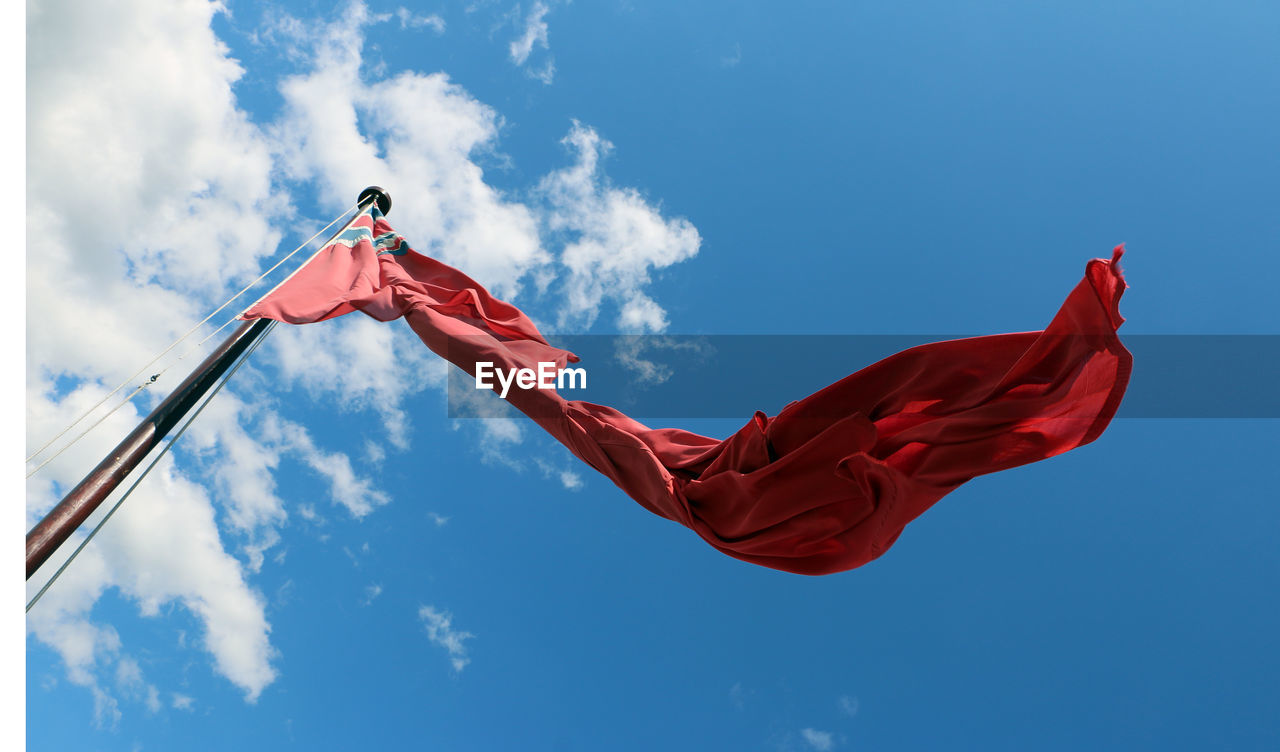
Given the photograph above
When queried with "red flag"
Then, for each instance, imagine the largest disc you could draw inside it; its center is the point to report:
(826, 485)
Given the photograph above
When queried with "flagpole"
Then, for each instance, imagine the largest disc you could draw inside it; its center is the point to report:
(76, 507)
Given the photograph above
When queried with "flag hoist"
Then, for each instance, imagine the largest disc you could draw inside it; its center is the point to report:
(81, 502)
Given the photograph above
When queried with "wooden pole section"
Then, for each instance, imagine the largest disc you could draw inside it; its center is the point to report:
(57, 526)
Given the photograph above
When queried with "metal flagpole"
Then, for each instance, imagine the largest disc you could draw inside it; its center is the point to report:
(58, 525)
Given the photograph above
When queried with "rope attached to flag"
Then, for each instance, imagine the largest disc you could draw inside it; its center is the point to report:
(156, 376)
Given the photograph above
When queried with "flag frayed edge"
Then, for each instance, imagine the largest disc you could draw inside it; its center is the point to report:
(1124, 359)
(1109, 286)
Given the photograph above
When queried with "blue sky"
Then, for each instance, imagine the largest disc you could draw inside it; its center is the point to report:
(328, 561)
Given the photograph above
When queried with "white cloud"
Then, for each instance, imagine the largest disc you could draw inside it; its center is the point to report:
(439, 520)
(371, 592)
(614, 238)
(374, 454)
(106, 709)
(153, 699)
(823, 741)
(569, 479)
(630, 352)
(130, 682)
(355, 560)
(128, 673)
(246, 442)
(848, 705)
(497, 436)
(182, 702)
(347, 489)
(534, 34)
(243, 466)
(409, 20)
(439, 626)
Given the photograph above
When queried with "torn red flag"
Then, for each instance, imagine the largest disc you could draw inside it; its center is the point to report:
(826, 485)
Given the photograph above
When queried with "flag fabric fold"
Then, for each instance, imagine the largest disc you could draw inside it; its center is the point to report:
(826, 485)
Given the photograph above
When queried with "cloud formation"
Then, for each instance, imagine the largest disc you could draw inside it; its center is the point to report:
(614, 239)
(823, 741)
(533, 35)
(410, 20)
(439, 627)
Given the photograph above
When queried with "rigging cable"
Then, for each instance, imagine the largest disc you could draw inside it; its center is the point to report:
(152, 464)
(175, 343)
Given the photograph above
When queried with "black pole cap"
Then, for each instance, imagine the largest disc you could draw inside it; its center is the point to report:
(375, 193)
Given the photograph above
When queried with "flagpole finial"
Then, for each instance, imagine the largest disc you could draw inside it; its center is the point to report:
(376, 193)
